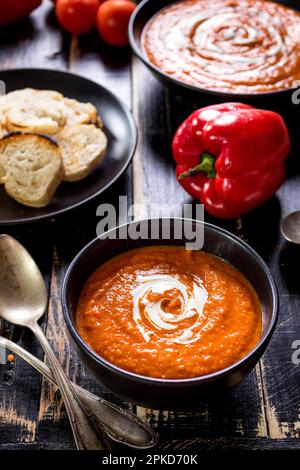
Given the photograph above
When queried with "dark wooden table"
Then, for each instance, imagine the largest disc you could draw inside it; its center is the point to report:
(262, 413)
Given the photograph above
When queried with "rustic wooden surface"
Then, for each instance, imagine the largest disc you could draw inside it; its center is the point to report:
(264, 412)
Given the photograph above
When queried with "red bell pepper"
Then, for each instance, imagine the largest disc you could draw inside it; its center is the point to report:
(231, 157)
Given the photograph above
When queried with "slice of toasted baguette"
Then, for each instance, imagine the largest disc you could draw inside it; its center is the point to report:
(83, 147)
(31, 168)
(24, 93)
(12, 97)
(27, 94)
(79, 113)
(29, 110)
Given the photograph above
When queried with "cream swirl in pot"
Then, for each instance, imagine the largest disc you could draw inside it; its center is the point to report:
(244, 46)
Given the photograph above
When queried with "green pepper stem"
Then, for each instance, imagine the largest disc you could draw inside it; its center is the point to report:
(206, 166)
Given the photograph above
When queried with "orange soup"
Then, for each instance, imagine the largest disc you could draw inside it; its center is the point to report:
(240, 46)
(167, 312)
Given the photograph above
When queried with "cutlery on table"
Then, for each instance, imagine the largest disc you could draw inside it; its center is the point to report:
(290, 227)
(118, 423)
(23, 301)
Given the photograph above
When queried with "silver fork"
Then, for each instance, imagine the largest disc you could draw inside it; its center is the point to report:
(118, 423)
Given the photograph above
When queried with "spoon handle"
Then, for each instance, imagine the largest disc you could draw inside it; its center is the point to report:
(87, 434)
(118, 423)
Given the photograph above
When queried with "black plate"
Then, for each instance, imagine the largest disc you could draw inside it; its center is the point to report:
(119, 128)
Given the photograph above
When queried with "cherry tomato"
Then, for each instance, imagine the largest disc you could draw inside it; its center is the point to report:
(14, 10)
(112, 21)
(77, 16)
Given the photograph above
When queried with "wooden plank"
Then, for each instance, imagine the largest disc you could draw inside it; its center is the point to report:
(177, 446)
(282, 378)
(227, 443)
(34, 42)
(92, 58)
(20, 384)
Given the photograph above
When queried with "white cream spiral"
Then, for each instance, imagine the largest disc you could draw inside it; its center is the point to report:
(192, 302)
(221, 43)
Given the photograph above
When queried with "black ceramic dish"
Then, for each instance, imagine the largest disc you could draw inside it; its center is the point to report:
(159, 393)
(119, 128)
(276, 100)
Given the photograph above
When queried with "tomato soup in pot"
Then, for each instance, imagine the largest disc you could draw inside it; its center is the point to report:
(233, 46)
(169, 313)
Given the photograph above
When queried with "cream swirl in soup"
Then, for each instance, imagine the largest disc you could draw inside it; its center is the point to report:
(245, 46)
(153, 294)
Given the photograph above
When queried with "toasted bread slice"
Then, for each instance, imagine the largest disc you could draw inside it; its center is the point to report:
(83, 147)
(27, 94)
(31, 168)
(79, 113)
(12, 97)
(24, 93)
(31, 110)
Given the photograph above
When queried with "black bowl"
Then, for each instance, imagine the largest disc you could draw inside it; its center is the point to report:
(275, 100)
(161, 393)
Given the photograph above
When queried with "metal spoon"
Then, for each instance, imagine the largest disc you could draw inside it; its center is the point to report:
(119, 424)
(290, 227)
(23, 300)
